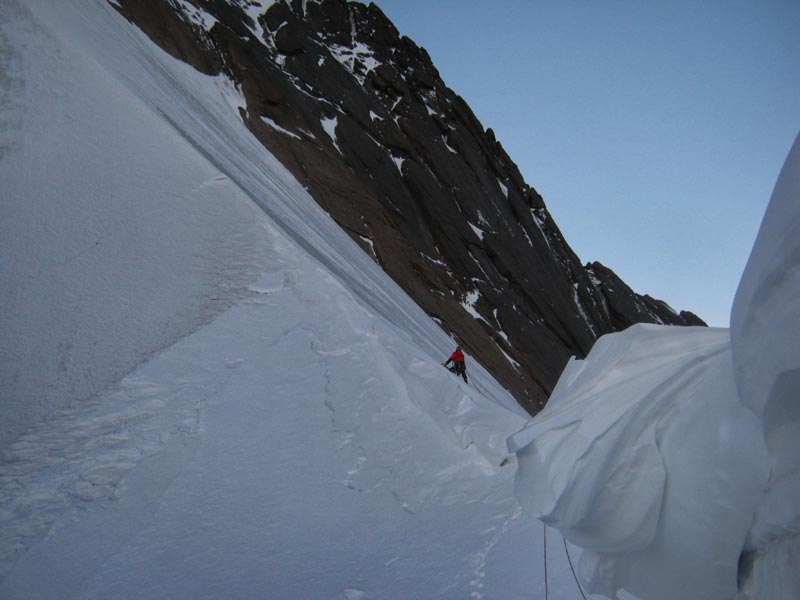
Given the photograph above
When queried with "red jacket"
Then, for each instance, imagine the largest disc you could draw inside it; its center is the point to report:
(457, 356)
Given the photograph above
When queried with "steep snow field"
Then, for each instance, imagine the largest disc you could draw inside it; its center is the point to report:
(208, 390)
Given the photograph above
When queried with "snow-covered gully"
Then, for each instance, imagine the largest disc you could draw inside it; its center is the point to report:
(267, 413)
(218, 394)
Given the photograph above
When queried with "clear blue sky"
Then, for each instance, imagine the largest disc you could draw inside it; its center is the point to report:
(654, 131)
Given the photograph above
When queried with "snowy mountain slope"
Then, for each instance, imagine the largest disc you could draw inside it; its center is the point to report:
(362, 118)
(115, 242)
(295, 445)
(671, 455)
(91, 191)
(283, 427)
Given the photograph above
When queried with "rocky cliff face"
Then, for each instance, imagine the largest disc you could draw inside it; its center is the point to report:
(361, 117)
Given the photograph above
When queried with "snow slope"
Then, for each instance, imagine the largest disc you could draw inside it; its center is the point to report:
(671, 455)
(208, 390)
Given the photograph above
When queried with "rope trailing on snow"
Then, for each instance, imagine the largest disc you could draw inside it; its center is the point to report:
(546, 591)
(569, 558)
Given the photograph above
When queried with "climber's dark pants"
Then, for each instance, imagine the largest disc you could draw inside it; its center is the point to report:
(460, 368)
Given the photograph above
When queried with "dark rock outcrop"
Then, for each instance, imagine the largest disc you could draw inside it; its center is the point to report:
(624, 306)
(360, 115)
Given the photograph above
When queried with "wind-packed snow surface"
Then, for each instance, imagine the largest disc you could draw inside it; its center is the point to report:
(671, 455)
(208, 390)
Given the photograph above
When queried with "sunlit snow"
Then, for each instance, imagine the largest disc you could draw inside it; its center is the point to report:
(277, 127)
(478, 231)
(329, 125)
(358, 59)
(503, 188)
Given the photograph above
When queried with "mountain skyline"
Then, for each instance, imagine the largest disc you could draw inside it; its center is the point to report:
(360, 115)
(652, 131)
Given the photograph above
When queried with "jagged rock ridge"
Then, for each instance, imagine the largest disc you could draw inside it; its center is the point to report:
(360, 115)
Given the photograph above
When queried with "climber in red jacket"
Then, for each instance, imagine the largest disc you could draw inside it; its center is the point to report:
(459, 367)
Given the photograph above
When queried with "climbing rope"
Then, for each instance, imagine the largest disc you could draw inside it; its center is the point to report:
(569, 558)
(546, 593)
